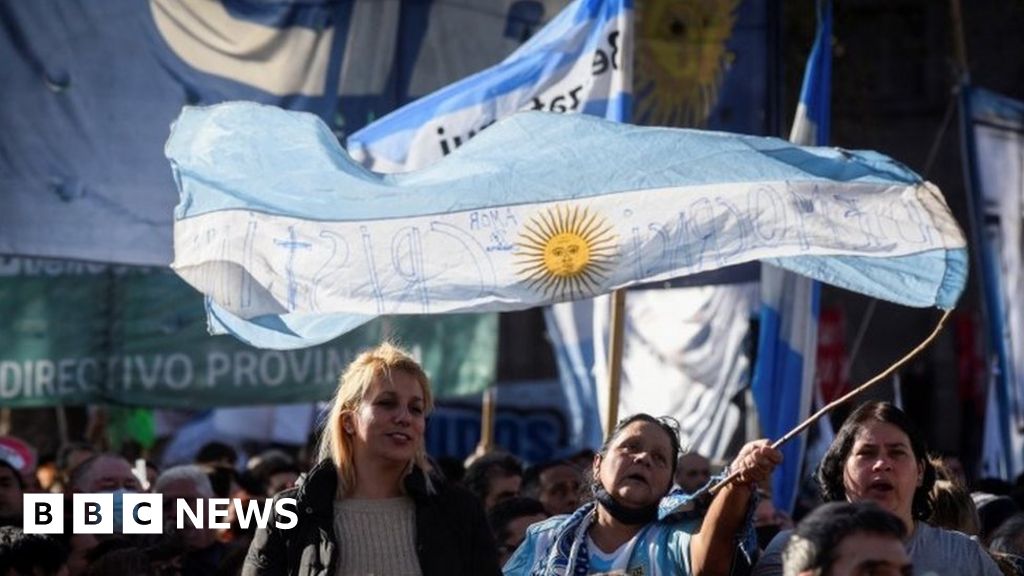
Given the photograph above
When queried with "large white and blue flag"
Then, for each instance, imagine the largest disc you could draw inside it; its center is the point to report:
(276, 219)
(580, 62)
(993, 136)
(784, 375)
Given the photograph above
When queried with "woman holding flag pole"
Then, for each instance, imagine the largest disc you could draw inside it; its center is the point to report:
(635, 523)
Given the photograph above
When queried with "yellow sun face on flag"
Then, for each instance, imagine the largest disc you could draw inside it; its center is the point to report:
(680, 59)
(566, 252)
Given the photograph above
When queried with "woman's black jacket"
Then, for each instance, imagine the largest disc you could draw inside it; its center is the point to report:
(452, 536)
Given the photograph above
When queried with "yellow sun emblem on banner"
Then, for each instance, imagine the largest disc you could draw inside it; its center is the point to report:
(566, 252)
(681, 59)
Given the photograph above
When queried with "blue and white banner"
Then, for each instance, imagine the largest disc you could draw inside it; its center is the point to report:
(687, 356)
(784, 377)
(91, 87)
(994, 149)
(275, 218)
(682, 351)
(579, 62)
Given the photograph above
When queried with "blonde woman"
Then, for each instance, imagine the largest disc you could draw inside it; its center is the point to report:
(372, 505)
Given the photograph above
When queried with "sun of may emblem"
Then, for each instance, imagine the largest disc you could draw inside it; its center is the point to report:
(566, 252)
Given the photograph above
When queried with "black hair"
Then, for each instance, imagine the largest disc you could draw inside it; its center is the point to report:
(216, 452)
(504, 512)
(66, 450)
(23, 553)
(667, 423)
(531, 477)
(492, 465)
(269, 463)
(830, 472)
(818, 536)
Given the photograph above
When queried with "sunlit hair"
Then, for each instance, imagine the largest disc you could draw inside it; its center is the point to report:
(830, 471)
(953, 509)
(353, 386)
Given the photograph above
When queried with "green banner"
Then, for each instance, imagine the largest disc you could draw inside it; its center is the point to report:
(75, 333)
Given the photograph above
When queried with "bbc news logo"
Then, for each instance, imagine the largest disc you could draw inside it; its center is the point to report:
(144, 513)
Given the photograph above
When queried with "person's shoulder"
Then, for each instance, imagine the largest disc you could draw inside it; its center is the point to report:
(779, 541)
(548, 525)
(956, 547)
(770, 561)
(539, 537)
(937, 536)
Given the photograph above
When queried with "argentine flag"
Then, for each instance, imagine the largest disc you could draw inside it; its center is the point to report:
(275, 218)
(784, 376)
(580, 62)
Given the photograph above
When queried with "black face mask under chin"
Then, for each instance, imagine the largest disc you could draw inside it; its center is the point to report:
(626, 514)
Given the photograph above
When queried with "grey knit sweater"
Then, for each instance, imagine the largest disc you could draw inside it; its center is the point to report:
(377, 537)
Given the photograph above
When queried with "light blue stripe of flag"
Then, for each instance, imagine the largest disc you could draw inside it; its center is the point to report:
(784, 378)
(236, 159)
(255, 157)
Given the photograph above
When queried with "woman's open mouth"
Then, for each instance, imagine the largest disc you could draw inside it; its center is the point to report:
(636, 478)
(881, 487)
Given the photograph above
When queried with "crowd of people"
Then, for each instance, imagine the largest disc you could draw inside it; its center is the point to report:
(370, 500)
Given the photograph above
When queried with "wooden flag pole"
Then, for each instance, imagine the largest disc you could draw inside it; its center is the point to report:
(487, 422)
(959, 43)
(615, 359)
(832, 405)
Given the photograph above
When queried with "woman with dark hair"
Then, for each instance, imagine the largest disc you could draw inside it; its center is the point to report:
(879, 455)
(634, 525)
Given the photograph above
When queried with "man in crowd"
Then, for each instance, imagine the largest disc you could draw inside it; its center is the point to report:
(509, 521)
(202, 552)
(105, 472)
(555, 484)
(494, 477)
(847, 539)
(693, 472)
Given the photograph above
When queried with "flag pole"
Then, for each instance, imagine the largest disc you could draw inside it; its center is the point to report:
(486, 422)
(959, 43)
(615, 359)
(832, 405)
